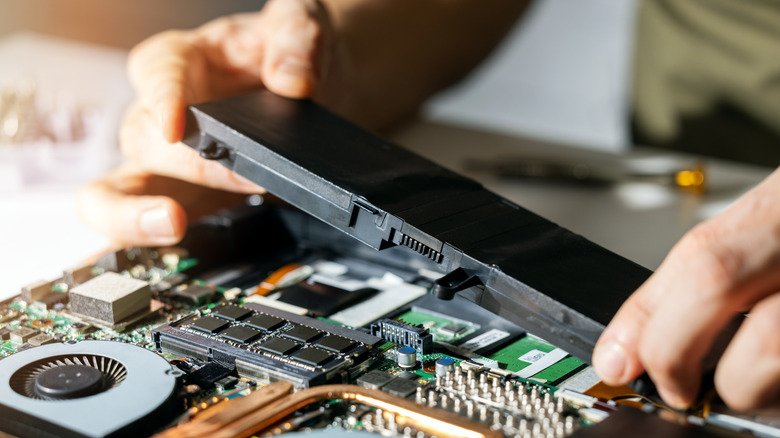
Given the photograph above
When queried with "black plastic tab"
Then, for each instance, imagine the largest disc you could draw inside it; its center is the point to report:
(456, 281)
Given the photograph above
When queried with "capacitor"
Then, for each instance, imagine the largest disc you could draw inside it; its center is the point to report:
(444, 365)
(407, 357)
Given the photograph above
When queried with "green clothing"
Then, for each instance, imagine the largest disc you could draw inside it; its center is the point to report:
(707, 77)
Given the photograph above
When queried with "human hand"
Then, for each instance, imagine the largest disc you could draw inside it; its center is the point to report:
(287, 47)
(137, 207)
(723, 267)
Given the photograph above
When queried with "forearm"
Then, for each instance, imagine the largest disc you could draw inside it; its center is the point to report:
(403, 51)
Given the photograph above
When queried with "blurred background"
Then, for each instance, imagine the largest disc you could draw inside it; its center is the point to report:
(114, 23)
(62, 93)
(557, 87)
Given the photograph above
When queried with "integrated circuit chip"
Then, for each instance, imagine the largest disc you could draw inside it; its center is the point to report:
(303, 333)
(195, 294)
(336, 343)
(265, 322)
(374, 379)
(452, 329)
(401, 387)
(278, 346)
(312, 356)
(241, 334)
(231, 312)
(267, 344)
(209, 324)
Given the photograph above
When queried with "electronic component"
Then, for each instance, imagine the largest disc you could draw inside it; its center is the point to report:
(22, 335)
(231, 312)
(406, 357)
(267, 344)
(322, 299)
(113, 386)
(241, 334)
(336, 343)
(52, 301)
(35, 291)
(452, 330)
(400, 387)
(5, 334)
(444, 365)
(285, 276)
(41, 339)
(265, 322)
(195, 294)
(209, 373)
(513, 407)
(79, 328)
(171, 281)
(302, 333)
(7, 313)
(312, 356)
(110, 298)
(77, 275)
(374, 379)
(227, 382)
(403, 334)
(209, 324)
(279, 346)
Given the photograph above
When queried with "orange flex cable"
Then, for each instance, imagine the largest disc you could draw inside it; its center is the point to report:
(284, 276)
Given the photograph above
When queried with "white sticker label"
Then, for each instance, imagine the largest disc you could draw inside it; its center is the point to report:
(485, 339)
(533, 356)
(542, 363)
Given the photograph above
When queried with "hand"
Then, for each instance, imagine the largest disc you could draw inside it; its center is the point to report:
(724, 267)
(136, 207)
(287, 47)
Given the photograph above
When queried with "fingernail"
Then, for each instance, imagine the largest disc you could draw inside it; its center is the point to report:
(294, 67)
(157, 222)
(610, 362)
(295, 74)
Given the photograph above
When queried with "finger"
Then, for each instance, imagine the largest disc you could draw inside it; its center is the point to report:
(718, 270)
(294, 54)
(748, 375)
(160, 69)
(616, 355)
(722, 266)
(141, 144)
(129, 219)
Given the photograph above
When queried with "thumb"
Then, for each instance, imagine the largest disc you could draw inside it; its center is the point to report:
(294, 60)
(130, 219)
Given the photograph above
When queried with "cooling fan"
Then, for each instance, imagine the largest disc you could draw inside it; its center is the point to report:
(68, 377)
(83, 389)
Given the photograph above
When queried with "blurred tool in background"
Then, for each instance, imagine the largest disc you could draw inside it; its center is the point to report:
(690, 177)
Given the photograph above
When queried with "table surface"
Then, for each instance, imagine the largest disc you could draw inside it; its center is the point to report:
(640, 221)
(40, 232)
